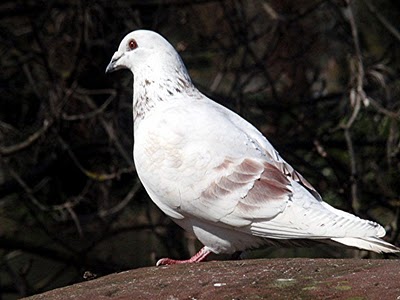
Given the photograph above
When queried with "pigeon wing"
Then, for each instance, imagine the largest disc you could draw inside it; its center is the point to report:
(249, 189)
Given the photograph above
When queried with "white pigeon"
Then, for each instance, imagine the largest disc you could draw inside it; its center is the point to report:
(213, 172)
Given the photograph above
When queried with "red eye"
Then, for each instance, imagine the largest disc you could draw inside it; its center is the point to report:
(132, 44)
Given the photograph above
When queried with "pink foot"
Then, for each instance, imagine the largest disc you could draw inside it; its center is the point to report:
(198, 257)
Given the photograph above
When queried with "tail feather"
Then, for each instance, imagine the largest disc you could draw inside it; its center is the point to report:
(368, 243)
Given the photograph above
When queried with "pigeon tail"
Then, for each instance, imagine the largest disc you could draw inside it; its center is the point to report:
(368, 243)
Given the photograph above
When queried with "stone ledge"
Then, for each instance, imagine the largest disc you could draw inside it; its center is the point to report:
(298, 278)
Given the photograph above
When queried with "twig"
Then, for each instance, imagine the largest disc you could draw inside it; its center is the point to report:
(96, 111)
(355, 203)
(91, 174)
(383, 20)
(75, 218)
(111, 134)
(20, 280)
(383, 110)
(8, 150)
(131, 194)
(357, 95)
(71, 259)
(28, 191)
(68, 205)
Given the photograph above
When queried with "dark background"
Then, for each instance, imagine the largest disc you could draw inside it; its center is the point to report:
(320, 79)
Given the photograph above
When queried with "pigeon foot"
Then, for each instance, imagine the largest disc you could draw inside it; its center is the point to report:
(198, 257)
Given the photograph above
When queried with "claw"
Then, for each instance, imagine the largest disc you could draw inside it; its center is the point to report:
(198, 257)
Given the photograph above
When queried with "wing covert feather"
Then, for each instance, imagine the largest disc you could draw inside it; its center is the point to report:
(251, 189)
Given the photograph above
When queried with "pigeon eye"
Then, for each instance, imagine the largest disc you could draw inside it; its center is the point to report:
(132, 44)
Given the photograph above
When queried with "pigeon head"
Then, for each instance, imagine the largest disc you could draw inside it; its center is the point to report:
(158, 71)
(144, 49)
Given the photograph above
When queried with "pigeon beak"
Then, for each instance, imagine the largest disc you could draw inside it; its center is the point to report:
(113, 65)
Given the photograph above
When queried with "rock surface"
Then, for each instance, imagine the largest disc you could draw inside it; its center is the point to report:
(298, 278)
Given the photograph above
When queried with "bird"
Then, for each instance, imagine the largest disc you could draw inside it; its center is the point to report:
(214, 173)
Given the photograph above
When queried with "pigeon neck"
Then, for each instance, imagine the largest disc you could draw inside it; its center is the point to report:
(152, 86)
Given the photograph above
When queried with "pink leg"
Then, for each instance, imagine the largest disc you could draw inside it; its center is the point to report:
(198, 257)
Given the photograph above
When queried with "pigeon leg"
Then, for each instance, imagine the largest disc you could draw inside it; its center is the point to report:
(198, 257)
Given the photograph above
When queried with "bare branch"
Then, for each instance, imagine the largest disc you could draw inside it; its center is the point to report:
(9, 150)
(96, 111)
(357, 96)
(90, 174)
(383, 20)
(121, 205)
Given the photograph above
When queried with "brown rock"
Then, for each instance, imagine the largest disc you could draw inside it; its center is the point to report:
(298, 278)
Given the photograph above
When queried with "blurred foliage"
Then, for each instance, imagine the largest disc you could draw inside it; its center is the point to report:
(319, 78)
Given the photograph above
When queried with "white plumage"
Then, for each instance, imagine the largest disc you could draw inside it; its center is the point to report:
(214, 173)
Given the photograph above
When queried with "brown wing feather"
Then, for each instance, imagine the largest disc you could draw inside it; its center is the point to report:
(253, 186)
(296, 176)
